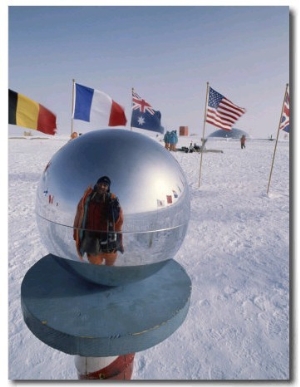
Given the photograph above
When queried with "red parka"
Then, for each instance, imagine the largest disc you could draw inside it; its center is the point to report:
(95, 214)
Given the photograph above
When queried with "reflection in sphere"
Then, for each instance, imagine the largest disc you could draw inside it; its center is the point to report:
(152, 192)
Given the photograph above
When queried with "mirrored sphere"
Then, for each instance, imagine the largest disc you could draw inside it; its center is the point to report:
(152, 192)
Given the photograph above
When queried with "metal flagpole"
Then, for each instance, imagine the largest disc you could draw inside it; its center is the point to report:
(72, 120)
(203, 138)
(132, 90)
(287, 85)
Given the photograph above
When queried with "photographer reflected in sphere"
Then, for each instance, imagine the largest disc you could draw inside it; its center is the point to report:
(98, 224)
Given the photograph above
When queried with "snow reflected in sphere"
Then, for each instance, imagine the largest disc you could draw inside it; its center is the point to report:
(152, 191)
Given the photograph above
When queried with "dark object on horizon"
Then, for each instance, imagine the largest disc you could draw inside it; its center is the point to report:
(234, 133)
(183, 131)
(194, 147)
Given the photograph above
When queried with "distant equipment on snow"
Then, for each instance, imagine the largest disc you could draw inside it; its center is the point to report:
(183, 130)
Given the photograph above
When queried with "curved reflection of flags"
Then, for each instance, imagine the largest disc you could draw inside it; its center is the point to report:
(285, 117)
(144, 116)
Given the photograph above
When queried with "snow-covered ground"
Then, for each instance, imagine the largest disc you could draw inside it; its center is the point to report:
(236, 253)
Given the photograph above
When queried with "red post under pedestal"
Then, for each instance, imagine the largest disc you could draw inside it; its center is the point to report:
(113, 367)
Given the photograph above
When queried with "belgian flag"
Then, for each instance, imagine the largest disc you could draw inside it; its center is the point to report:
(27, 113)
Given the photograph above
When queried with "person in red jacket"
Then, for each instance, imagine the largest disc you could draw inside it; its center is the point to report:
(97, 224)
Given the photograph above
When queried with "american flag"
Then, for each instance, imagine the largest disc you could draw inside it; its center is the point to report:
(221, 112)
(285, 117)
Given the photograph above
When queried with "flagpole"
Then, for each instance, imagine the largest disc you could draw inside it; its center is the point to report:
(287, 85)
(203, 135)
(72, 120)
(132, 90)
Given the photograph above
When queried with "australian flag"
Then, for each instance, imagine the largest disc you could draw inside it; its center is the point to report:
(285, 117)
(144, 116)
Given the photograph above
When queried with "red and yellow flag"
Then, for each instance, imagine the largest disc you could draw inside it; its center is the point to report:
(27, 113)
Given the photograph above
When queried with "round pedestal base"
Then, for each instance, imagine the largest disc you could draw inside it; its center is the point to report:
(81, 318)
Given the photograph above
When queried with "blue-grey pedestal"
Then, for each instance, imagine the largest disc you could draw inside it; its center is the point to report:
(78, 317)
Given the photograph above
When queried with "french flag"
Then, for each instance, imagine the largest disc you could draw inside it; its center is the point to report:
(97, 107)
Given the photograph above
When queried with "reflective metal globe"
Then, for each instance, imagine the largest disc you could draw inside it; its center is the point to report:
(152, 191)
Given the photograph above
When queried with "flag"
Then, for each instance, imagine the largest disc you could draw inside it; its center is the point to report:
(169, 199)
(27, 113)
(221, 112)
(284, 124)
(160, 203)
(285, 116)
(144, 116)
(97, 107)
